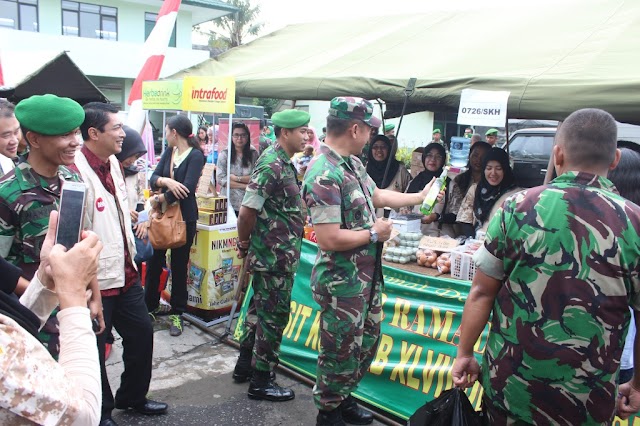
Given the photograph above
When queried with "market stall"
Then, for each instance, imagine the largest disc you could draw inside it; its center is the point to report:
(214, 265)
(418, 342)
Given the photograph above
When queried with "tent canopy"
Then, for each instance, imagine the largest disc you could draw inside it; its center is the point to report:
(553, 58)
(37, 73)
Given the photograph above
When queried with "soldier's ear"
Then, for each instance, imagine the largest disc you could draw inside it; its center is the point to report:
(33, 138)
(616, 160)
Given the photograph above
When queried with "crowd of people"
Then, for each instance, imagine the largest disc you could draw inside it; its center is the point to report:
(558, 268)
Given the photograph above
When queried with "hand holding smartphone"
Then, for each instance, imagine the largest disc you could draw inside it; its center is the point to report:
(71, 213)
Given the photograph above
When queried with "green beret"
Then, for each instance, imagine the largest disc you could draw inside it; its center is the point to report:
(491, 132)
(389, 127)
(49, 114)
(436, 131)
(291, 118)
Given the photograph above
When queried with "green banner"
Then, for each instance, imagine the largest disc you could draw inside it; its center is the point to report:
(419, 336)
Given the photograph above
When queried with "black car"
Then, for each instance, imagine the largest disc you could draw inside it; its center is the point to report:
(529, 150)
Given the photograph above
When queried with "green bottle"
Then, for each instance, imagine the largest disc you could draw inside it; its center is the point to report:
(432, 197)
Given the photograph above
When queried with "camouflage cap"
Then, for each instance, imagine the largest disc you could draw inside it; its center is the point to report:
(491, 132)
(350, 108)
(49, 114)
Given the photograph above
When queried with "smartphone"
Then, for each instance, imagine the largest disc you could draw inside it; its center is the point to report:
(71, 213)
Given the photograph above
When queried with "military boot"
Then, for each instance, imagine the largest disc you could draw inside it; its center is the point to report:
(353, 414)
(330, 418)
(262, 387)
(242, 372)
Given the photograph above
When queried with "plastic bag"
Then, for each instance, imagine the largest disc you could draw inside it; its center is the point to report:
(451, 408)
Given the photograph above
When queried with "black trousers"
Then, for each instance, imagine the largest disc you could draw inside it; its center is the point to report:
(179, 262)
(127, 312)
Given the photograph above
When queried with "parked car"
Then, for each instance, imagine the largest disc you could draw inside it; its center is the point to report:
(529, 150)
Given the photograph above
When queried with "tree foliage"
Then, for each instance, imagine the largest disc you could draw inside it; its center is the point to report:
(230, 30)
(269, 104)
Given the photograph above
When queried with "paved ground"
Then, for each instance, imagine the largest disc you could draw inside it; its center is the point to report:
(192, 373)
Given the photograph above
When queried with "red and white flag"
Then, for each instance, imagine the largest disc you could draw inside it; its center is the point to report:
(154, 49)
(1, 76)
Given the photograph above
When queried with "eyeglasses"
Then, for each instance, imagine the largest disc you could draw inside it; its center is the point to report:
(237, 135)
(434, 157)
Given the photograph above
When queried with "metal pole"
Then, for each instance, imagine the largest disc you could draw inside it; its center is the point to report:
(164, 130)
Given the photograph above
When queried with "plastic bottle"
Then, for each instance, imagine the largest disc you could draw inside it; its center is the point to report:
(432, 197)
(459, 151)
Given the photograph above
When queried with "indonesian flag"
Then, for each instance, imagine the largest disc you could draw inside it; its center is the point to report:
(1, 76)
(154, 48)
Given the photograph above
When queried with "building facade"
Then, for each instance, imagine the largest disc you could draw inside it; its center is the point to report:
(104, 38)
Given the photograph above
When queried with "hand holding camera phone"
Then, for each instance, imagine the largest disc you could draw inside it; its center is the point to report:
(71, 213)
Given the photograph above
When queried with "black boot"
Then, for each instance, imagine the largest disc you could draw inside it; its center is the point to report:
(353, 414)
(243, 370)
(330, 418)
(262, 387)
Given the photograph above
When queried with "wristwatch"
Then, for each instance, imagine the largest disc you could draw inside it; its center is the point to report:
(373, 236)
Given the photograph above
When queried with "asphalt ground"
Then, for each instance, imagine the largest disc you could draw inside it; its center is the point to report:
(192, 373)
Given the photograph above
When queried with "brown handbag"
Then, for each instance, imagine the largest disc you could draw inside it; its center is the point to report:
(167, 230)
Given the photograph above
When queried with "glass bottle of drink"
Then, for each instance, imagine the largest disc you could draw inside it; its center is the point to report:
(432, 196)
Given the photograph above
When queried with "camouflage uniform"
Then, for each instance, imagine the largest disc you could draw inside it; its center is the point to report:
(26, 199)
(561, 316)
(274, 250)
(338, 190)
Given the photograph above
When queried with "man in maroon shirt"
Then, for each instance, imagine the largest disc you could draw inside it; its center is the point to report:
(122, 293)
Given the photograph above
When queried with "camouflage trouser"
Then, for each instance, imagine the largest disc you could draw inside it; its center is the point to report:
(248, 337)
(350, 330)
(272, 299)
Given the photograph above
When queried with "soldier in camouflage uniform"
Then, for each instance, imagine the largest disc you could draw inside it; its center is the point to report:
(347, 278)
(270, 227)
(32, 190)
(559, 268)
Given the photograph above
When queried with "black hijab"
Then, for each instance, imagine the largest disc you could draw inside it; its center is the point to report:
(376, 169)
(132, 144)
(425, 176)
(486, 194)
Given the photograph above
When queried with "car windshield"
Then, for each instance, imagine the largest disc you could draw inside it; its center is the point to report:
(538, 146)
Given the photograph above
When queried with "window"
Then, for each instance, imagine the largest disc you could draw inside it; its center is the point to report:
(89, 20)
(19, 14)
(150, 22)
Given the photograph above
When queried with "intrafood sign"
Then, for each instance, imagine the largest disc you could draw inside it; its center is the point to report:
(209, 94)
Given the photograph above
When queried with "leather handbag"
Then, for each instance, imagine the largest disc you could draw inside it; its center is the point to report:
(167, 230)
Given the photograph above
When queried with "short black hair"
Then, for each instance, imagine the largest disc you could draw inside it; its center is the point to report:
(589, 137)
(96, 115)
(626, 175)
(338, 126)
(7, 109)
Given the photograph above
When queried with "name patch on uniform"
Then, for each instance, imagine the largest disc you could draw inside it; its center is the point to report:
(100, 204)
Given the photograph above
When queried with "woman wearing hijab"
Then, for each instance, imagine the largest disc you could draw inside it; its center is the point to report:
(433, 158)
(382, 153)
(313, 139)
(496, 183)
(458, 188)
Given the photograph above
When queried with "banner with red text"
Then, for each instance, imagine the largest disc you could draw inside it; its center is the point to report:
(209, 94)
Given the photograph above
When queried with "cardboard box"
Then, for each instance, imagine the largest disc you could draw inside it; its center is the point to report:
(210, 218)
(406, 225)
(214, 204)
(213, 271)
